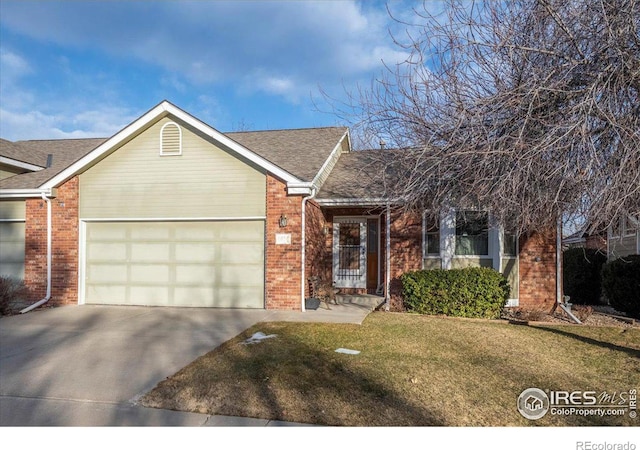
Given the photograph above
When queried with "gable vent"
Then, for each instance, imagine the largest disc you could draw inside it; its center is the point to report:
(170, 140)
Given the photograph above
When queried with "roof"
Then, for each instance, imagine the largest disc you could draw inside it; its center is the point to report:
(24, 154)
(297, 154)
(362, 174)
(301, 152)
(64, 153)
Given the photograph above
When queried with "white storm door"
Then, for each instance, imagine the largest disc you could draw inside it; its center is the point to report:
(350, 252)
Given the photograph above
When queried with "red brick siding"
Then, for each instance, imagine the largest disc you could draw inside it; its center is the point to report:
(283, 262)
(538, 271)
(406, 252)
(64, 268)
(318, 244)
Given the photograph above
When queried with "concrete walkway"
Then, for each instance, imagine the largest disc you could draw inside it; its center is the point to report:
(87, 365)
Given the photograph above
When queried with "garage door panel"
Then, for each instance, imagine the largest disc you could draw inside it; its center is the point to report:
(108, 273)
(151, 252)
(149, 273)
(150, 232)
(105, 232)
(149, 295)
(107, 294)
(196, 274)
(206, 264)
(241, 253)
(240, 276)
(107, 251)
(195, 252)
(12, 249)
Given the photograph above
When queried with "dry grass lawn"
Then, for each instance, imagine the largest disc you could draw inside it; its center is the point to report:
(412, 371)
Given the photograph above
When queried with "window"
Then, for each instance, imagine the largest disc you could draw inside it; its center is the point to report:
(431, 237)
(170, 140)
(630, 227)
(472, 233)
(509, 244)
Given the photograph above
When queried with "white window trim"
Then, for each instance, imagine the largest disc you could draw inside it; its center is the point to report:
(426, 255)
(179, 152)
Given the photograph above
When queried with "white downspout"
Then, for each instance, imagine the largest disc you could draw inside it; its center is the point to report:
(48, 294)
(559, 297)
(304, 245)
(387, 269)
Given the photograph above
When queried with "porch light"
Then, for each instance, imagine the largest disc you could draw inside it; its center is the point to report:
(282, 221)
(325, 229)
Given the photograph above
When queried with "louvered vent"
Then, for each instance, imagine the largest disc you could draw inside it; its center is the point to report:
(170, 140)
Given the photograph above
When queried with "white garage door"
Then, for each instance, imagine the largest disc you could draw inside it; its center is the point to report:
(198, 264)
(12, 249)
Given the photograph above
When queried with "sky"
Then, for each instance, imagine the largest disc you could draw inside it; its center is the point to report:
(87, 69)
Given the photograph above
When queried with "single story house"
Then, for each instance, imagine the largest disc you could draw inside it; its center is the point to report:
(170, 211)
(623, 237)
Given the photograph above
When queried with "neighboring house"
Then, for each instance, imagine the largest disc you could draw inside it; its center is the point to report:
(582, 239)
(623, 237)
(169, 211)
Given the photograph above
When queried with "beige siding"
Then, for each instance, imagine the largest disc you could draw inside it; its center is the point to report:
(619, 247)
(461, 263)
(205, 181)
(432, 263)
(511, 272)
(197, 264)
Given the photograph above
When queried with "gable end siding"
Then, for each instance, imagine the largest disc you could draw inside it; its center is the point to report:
(206, 181)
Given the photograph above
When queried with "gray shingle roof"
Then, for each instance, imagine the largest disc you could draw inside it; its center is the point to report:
(301, 152)
(363, 174)
(64, 153)
(25, 154)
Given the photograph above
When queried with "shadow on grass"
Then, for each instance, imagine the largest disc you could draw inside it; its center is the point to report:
(587, 340)
(284, 379)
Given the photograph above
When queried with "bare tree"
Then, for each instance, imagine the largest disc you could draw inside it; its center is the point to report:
(525, 107)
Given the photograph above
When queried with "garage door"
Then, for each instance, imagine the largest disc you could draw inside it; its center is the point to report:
(12, 249)
(199, 264)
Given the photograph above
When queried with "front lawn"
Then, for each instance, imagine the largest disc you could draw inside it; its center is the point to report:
(412, 371)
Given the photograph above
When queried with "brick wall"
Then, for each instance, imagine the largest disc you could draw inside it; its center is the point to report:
(64, 267)
(538, 271)
(406, 252)
(283, 262)
(318, 249)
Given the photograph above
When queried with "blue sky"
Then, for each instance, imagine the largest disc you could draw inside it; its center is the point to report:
(83, 69)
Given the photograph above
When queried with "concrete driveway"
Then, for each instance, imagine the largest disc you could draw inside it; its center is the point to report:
(87, 365)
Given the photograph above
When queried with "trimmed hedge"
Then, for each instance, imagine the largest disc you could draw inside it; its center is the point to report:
(621, 284)
(472, 292)
(581, 279)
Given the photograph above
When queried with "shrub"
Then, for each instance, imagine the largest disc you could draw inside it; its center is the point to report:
(12, 290)
(581, 269)
(471, 292)
(621, 284)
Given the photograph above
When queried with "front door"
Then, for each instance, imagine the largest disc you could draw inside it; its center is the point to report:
(372, 254)
(349, 252)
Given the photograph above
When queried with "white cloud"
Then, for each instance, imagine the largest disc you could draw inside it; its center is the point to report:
(33, 124)
(311, 42)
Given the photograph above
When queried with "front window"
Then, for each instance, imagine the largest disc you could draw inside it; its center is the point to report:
(510, 244)
(472, 233)
(432, 237)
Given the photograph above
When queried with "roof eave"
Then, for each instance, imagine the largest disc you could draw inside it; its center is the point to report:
(162, 110)
(19, 164)
(18, 194)
(355, 201)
